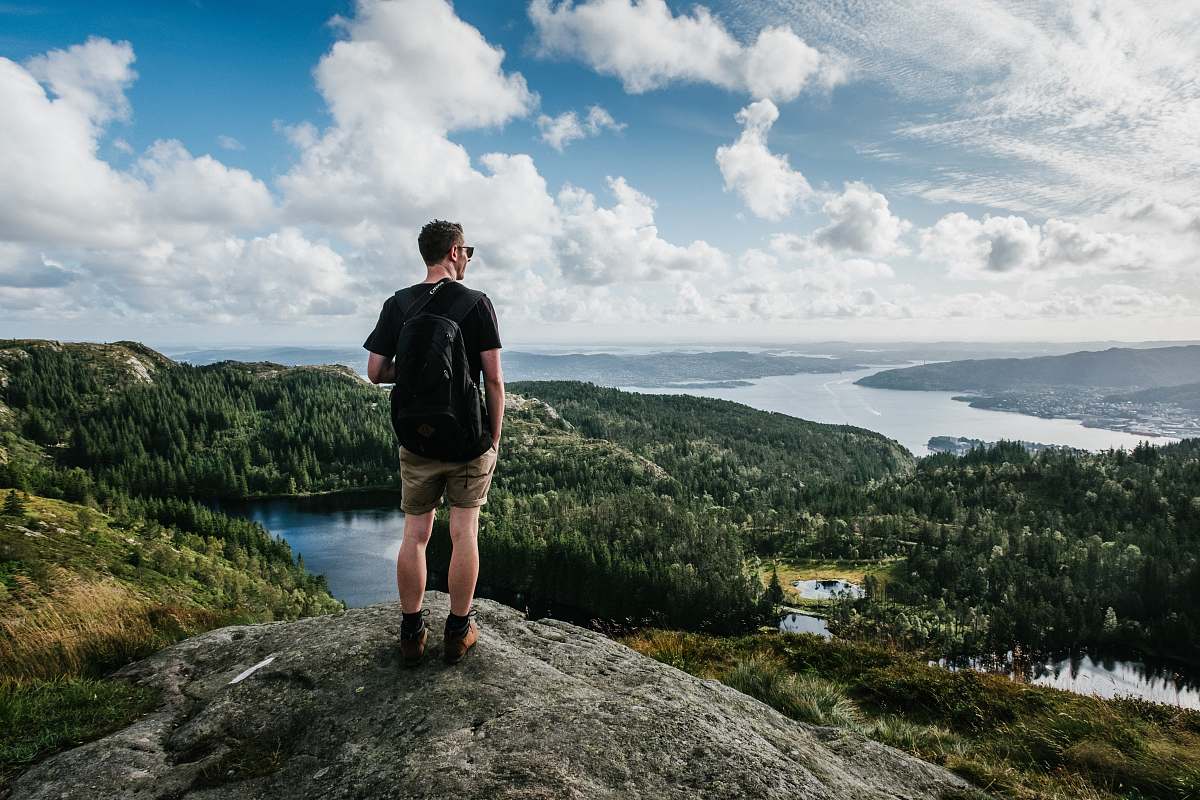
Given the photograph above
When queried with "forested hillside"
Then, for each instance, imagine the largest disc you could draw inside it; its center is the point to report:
(575, 524)
(623, 506)
(82, 590)
(754, 460)
(224, 430)
(1116, 367)
(1051, 550)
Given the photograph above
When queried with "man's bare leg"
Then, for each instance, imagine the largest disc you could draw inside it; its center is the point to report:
(410, 564)
(464, 559)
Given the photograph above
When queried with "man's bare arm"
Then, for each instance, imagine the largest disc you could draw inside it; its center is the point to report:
(493, 382)
(381, 369)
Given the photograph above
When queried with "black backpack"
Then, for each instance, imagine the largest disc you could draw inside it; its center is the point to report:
(437, 408)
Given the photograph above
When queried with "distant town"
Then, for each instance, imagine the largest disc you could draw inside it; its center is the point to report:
(1094, 409)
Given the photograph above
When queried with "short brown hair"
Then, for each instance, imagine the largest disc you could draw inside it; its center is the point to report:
(437, 238)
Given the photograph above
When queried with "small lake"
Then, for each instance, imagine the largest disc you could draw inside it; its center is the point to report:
(828, 589)
(795, 622)
(352, 540)
(1097, 675)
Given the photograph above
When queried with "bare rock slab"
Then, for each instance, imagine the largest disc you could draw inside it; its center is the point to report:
(322, 708)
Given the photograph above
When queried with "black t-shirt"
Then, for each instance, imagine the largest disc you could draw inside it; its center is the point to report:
(479, 327)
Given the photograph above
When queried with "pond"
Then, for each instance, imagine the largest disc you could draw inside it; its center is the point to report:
(796, 622)
(826, 589)
(1083, 673)
(353, 540)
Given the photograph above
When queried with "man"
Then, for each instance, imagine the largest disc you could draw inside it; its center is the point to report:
(424, 480)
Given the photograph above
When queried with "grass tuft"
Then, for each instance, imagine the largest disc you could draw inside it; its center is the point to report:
(41, 716)
(87, 627)
(803, 697)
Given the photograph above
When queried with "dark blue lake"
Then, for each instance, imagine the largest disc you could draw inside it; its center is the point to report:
(352, 539)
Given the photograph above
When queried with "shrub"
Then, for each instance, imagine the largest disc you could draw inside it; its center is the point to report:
(806, 698)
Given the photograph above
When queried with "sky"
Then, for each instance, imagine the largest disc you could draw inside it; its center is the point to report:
(771, 171)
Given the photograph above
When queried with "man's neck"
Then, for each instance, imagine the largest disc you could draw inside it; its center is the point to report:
(437, 272)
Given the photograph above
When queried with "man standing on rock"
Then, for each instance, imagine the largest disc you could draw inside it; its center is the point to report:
(432, 341)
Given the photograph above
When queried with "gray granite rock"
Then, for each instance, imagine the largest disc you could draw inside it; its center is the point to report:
(538, 709)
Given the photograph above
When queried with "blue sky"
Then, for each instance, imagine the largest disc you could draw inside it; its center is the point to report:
(233, 172)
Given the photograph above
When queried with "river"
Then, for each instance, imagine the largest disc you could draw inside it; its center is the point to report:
(909, 417)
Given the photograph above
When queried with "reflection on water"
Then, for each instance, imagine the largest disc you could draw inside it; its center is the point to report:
(828, 589)
(804, 623)
(1096, 675)
(353, 540)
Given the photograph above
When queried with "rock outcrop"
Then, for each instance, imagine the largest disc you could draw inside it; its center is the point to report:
(321, 708)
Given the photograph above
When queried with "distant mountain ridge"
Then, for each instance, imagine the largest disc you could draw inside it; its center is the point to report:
(673, 365)
(1117, 368)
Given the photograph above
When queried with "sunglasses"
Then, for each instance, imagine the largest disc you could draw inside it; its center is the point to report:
(470, 251)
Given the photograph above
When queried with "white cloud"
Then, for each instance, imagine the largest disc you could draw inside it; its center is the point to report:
(382, 169)
(819, 262)
(1068, 243)
(161, 240)
(90, 78)
(229, 143)
(1106, 301)
(559, 131)
(765, 181)
(416, 61)
(386, 163)
(183, 189)
(55, 189)
(794, 278)
(606, 245)
(974, 248)
(598, 119)
(647, 47)
(861, 221)
(22, 268)
(1046, 108)
(1008, 247)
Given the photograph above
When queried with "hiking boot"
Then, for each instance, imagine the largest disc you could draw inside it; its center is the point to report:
(412, 645)
(456, 644)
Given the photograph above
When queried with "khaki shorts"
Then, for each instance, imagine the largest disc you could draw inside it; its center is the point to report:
(424, 481)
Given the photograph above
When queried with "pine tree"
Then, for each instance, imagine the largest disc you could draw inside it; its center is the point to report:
(14, 504)
(774, 589)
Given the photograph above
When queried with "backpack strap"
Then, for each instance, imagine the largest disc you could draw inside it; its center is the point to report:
(463, 305)
(416, 306)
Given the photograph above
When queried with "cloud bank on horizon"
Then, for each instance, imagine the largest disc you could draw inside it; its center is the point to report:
(1069, 197)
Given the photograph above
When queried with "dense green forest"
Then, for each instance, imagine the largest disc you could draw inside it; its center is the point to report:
(575, 525)
(1056, 550)
(223, 430)
(633, 507)
(756, 462)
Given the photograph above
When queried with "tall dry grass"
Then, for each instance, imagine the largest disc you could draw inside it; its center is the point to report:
(85, 627)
